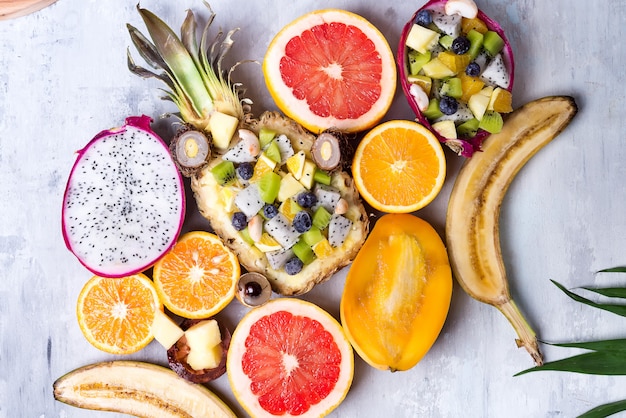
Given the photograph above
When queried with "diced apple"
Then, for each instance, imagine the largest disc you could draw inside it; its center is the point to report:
(445, 128)
(421, 39)
(478, 103)
(307, 174)
(289, 186)
(165, 330)
(223, 128)
(207, 359)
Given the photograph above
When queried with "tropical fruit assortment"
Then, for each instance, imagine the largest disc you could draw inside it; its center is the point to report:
(289, 196)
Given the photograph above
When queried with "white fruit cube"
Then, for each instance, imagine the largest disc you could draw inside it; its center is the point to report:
(478, 104)
(289, 186)
(445, 128)
(421, 39)
(308, 173)
(207, 359)
(223, 128)
(165, 330)
(204, 335)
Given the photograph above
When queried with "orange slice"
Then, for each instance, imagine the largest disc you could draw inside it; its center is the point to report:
(198, 277)
(399, 167)
(116, 315)
(331, 69)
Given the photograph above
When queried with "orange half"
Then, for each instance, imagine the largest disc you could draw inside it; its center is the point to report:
(198, 277)
(399, 167)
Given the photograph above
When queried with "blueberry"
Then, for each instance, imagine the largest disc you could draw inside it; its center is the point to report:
(302, 221)
(293, 266)
(460, 45)
(448, 105)
(472, 69)
(245, 171)
(239, 221)
(306, 199)
(269, 211)
(423, 18)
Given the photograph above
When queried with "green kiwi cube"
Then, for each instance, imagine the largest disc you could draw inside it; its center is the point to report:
(446, 41)
(321, 218)
(272, 151)
(224, 173)
(476, 43)
(266, 136)
(452, 87)
(322, 177)
(417, 60)
(303, 251)
(313, 236)
(269, 184)
(469, 128)
(432, 112)
(492, 43)
(491, 122)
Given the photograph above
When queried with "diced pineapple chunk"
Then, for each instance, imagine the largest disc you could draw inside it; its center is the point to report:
(207, 359)
(478, 102)
(421, 39)
(307, 174)
(437, 69)
(165, 330)
(204, 334)
(445, 128)
(289, 186)
(222, 127)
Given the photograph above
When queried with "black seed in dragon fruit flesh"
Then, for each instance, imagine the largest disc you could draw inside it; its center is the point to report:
(448, 105)
(269, 211)
(302, 221)
(239, 221)
(423, 18)
(306, 199)
(460, 45)
(245, 171)
(293, 266)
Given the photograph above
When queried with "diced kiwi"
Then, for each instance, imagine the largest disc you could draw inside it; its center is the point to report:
(272, 151)
(476, 42)
(492, 43)
(452, 87)
(417, 60)
(313, 236)
(491, 122)
(265, 136)
(321, 176)
(269, 185)
(321, 218)
(446, 41)
(432, 111)
(468, 128)
(224, 173)
(303, 251)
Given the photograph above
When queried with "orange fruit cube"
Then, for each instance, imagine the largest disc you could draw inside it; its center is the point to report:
(476, 23)
(454, 62)
(470, 86)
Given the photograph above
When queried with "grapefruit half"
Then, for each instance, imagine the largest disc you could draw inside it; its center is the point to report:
(331, 69)
(289, 358)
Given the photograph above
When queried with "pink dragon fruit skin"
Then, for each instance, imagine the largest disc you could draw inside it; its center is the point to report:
(131, 237)
(464, 147)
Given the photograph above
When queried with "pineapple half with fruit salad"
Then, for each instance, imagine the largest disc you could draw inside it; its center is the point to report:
(275, 193)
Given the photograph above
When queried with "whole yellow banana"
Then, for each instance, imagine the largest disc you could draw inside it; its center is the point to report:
(472, 220)
(139, 389)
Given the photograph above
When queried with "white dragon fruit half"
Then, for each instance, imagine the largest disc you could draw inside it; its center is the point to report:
(496, 74)
(124, 202)
(338, 230)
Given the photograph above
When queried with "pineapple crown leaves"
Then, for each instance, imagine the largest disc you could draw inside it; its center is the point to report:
(194, 76)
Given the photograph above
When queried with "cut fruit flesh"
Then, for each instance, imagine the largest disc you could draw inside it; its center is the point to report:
(356, 67)
(302, 348)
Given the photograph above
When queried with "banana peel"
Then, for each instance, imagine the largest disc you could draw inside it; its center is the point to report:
(139, 389)
(472, 219)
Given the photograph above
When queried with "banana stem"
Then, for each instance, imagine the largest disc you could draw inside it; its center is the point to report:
(526, 336)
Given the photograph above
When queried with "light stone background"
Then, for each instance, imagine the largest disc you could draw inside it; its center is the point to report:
(63, 78)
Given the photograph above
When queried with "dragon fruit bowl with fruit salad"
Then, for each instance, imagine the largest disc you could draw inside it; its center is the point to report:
(456, 69)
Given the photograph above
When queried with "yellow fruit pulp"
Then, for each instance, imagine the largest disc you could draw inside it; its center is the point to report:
(397, 293)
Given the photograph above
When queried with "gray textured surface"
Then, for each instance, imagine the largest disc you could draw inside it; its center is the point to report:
(63, 78)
